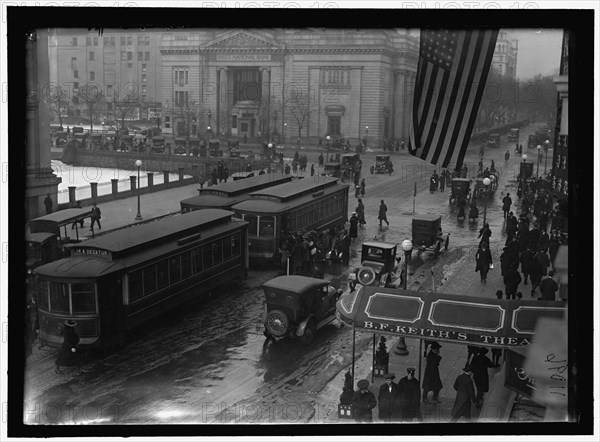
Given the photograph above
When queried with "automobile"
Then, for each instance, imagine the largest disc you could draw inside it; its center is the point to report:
(214, 147)
(513, 135)
(494, 140)
(180, 143)
(351, 162)
(531, 141)
(480, 190)
(158, 144)
(378, 266)
(234, 149)
(458, 187)
(61, 139)
(336, 142)
(332, 169)
(427, 234)
(297, 306)
(381, 164)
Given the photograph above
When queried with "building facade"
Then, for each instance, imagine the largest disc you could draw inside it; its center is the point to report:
(504, 61)
(560, 175)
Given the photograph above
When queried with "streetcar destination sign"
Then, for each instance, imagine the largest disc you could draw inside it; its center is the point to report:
(89, 251)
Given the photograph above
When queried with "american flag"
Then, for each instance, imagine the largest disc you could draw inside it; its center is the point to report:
(451, 76)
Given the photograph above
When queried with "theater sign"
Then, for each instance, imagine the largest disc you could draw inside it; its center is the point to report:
(443, 317)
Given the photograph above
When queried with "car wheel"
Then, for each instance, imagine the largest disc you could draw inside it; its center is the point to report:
(277, 323)
(366, 275)
(309, 333)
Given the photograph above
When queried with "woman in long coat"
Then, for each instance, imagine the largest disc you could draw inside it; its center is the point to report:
(431, 379)
(483, 258)
(360, 212)
(353, 231)
(67, 356)
(480, 364)
(465, 394)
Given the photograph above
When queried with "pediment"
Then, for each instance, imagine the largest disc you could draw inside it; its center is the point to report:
(242, 40)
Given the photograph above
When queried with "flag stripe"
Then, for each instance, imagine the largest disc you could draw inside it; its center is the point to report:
(485, 68)
(427, 102)
(432, 119)
(457, 90)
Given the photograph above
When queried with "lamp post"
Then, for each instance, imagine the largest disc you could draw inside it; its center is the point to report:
(546, 147)
(537, 172)
(138, 217)
(407, 247)
(328, 138)
(284, 128)
(367, 134)
(486, 183)
(209, 117)
(208, 129)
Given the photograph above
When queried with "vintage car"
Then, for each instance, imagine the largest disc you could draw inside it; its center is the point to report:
(459, 187)
(234, 149)
(480, 190)
(180, 146)
(332, 169)
(214, 147)
(427, 234)
(381, 164)
(513, 135)
(297, 306)
(378, 266)
(158, 144)
(351, 163)
(494, 140)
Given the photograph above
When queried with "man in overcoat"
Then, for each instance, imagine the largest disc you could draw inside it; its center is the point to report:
(465, 395)
(387, 397)
(409, 395)
(431, 379)
(363, 402)
(479, 366)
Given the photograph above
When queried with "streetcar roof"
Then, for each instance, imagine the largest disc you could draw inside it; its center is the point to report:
(293, 189)
(160, 230)
(427, 217)
(295, 283)
(378, 244)
(260, 205)
(59, 218)
(212, 201)
(38, 237)
(79, 267)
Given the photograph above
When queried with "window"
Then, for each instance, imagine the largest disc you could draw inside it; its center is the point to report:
(129, 40)
(92, 55)
(144, 88)
(88, 41)
(106, 41)
(140, 40)
(75, 85)
(123, 56)
(73, 63)
(217, 248)
(186, 77)
(174, 269)
(129, 56)
(266, 226)
(162, 276)
(333, 125)
(112, 41)
(83, 297)
(140, 55)
(92, 76)
(252, 227)
(186, 264)
(95, 41)
(59, 297)
(144, 97)
(207, 257)
(147, 40)
(75, 73)
(147, 56)
(144, 67)
(149, 280)
(144, 78)
(74, 41)
(42, 294)
(235, 245)
(123, 41)
(135, 285)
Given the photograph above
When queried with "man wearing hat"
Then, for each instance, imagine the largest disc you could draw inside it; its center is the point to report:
(465, 395)
(67, 356)
(431, 379)
(387, 398)
(363, 402)
(409, 394)
(480, 365)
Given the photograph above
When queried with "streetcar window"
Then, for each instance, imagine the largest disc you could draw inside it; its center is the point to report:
(207, 257)
(252, 227)
(83, 297)
(235, 245)
(197, 253)
(174, 269)
(149, 280)
(217, 247)
(42, 294)
(59, 297)
(162, 274)
(186, 264)
(266, 224)
(227, 248)
(135, 285)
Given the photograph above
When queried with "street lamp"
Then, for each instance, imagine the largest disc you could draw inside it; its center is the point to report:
(328, 138)
(407, 247)
(486, 183)
(546, 147)
(208, 128)
(138, 163)
(284, 128)
(209, 117)
(367, 134)
(537, 172)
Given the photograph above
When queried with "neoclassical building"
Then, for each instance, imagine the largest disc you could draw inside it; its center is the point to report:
(275, 83)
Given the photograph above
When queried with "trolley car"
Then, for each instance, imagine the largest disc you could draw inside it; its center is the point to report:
(225, 195)
(315, 203)
(118, 281)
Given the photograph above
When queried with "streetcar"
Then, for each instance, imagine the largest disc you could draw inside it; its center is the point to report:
(225, 195)
(310, 204)
(116, 282)
(58, 224)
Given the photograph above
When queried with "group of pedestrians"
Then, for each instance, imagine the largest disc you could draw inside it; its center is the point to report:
(438, 182)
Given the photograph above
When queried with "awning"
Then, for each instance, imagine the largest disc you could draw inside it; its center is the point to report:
(442, 317)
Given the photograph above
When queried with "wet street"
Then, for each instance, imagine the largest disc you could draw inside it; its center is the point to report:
(210, 363)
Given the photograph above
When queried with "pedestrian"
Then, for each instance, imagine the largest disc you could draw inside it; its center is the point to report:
(485, 233)
(312, 170)
(461, 203)
(284, 254)
(432, 183)
(321, 159)
(506, 156)
(548, 287)
(214, 177)
(443, 181)
(431, 379)
(77, 206)
(496, 354)
(535, 273)
(512, 279)
(553, 245)
(408, 398)
(542, 258)
(201, 180)
(473, 212)
(245, 138)
(96, 215)
(67, 356)
(363, 402)
(492, 168)
(48, 204)
(344, 247)
(297, 255)
(360, 212)
(387, 397)
(499, 296)
(353, 226)
(483, 259)
(363, 186)
(382, 214)
(506, 202)
(465, 395)
(479, 366)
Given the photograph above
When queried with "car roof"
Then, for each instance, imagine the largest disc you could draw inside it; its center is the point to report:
(295, 283)
(427, 217)
(379, 244)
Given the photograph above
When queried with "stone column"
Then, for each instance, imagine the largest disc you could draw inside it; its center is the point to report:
(221, 99)
(180, 170)
(150, 178)
(72, 198)
(408, 92)
(115, 186)
(265, 98)
(132, 180)
(94, 187)
(166, 176)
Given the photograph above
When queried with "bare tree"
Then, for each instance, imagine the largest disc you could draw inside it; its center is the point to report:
(57, 100)
(301, 106)
(94, 101)
(186, 112)
(126, 106)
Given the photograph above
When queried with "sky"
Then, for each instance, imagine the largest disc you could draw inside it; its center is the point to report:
(539, 51)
